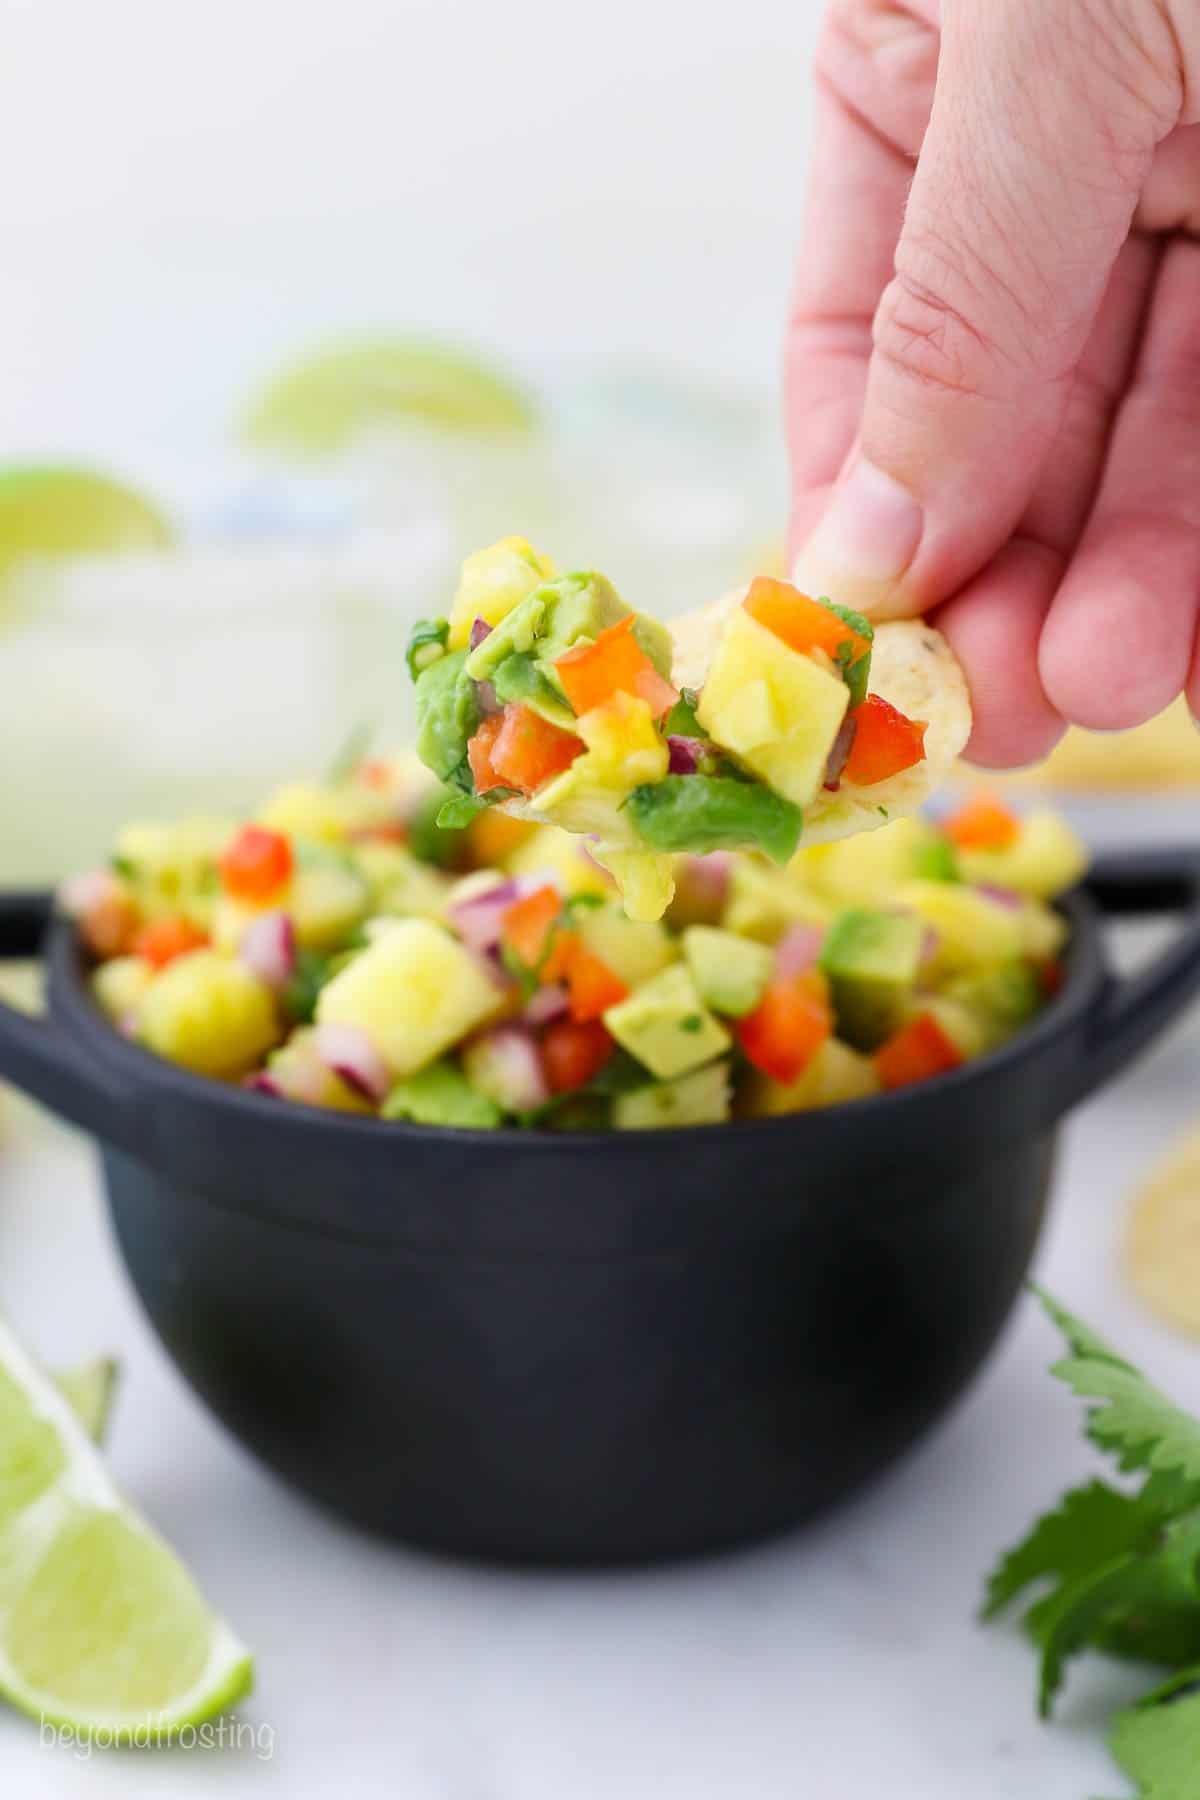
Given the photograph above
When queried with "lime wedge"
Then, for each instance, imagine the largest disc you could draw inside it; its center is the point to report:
(62, 511)
(101, 1627)
(328, 400)
(89, 1392)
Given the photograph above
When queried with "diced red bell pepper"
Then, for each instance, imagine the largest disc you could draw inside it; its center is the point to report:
(616, 663)
(479, 755)
(573, 1053)
(525, 750)
(1050, 976)
(803, 624)
(984, 823)
(788, 1026)
(885, 742)
(556, 963)
(256, 864)
(526, 925)
(591, 985)
(918, 1051)
(164, 939)
(109, 925)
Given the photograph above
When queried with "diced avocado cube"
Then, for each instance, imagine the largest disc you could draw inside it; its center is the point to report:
(763, 903)
(577, 606)
(868, 868)
(587, 799)
(935, 861)
(972, 931)
(1002, 999)
(959, 1022)
(667, 1026)
(836, 1073)
(447, 714)
(207, 1012)
(1045, 859)
(730, 972)
(634, 949)
(442, 1095)
(511, 637)
(492, 582)
(699, 813)
(519, 679)
(414, 991)
(701, 1098)
(776, 711)
(871, 960)
(655, 641)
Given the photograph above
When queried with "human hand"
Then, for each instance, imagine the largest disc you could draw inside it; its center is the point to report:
(999, 369)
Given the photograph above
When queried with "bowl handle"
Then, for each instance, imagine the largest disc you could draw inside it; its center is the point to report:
(39, 1057)
(1132, 884)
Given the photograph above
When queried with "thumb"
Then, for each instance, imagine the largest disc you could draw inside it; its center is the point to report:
(1044, 125)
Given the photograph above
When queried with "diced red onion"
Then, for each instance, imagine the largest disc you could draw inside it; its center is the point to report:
(349, 1052)
(548, 1003)
(839, 754)
(707, 879)
(268, 949)
(491, 961)
(685, 755)
(506, 1065)
(1002, 896)
(262, 1083)
(80, 893)
(797, 950)
(480, 629)
(931, 943)
(477, 920)
(487, 699)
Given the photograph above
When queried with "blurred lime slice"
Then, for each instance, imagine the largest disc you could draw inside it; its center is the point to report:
(52, 510)
(327, 401)
(101, 1627)
(89, 1391)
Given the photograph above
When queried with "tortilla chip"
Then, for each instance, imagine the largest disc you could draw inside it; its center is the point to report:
(913, 666)
(1164, 753)
(1162, 1240)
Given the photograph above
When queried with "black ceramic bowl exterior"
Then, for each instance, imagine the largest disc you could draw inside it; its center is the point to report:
(583, 1348)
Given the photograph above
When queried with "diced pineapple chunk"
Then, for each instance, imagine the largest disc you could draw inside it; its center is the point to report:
(562, 856)
(119, 985)
(864, 870)
(634, 949)
(172, 868)
(327, 814)
(778, 712)
(834, 1074)
(764, 902)
(701, 1098)
(622, 738)
(400, 882)
(492, 582)
(586, 800)
(1045, 859)
(209, 1013)
(645, 878)
(414, 991)
(972, 931)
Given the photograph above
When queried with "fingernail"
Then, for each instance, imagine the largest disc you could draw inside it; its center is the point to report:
(864, 543)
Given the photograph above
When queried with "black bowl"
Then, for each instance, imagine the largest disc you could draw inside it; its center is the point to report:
(585, 1348)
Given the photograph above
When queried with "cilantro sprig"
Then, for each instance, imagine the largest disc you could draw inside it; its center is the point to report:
(1119, 1568)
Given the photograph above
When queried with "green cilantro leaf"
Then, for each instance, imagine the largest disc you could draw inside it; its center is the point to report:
(458, 812)
(426, 644)
(1089, 1527)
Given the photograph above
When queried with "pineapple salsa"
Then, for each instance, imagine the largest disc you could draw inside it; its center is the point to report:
(768, 715)
(342, 950)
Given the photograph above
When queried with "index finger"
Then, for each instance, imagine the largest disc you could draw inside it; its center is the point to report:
(875, 71)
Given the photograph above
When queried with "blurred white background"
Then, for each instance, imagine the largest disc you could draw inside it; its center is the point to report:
(192, 192)
(607, 202)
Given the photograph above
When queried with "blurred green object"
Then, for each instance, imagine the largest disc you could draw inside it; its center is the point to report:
(89, 1390)
(326, 401)
(56, 510)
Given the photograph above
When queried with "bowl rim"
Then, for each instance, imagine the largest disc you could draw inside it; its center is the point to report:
(72, 1004)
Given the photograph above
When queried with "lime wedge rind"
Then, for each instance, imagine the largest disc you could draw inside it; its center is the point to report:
(84, 1491)
(328, 401)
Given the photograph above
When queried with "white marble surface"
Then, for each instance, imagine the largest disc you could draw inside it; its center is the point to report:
(842, 1661)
